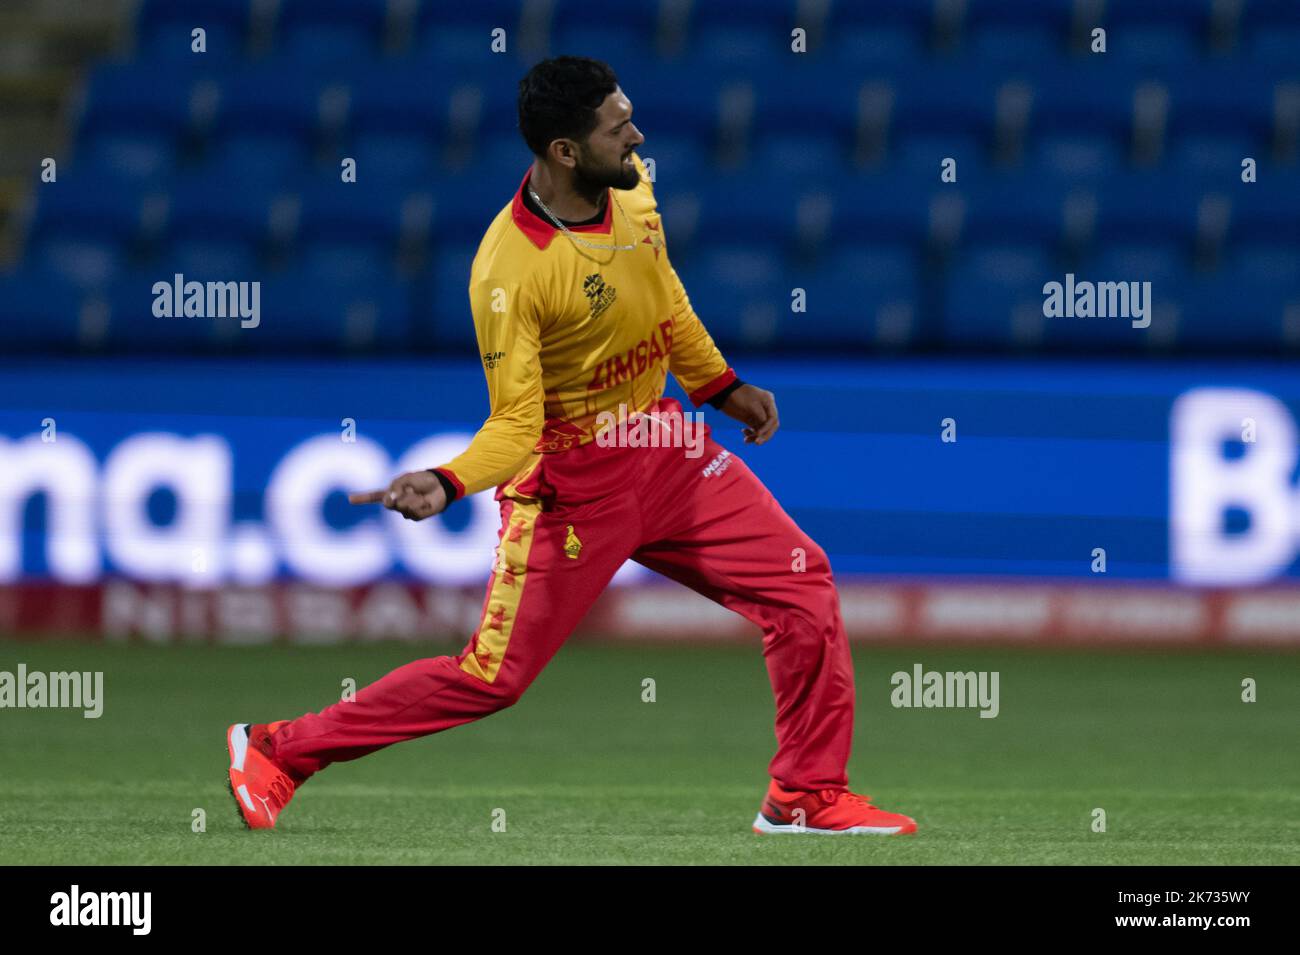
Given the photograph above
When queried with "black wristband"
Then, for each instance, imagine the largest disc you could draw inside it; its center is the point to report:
(447, 486)
(721, 397)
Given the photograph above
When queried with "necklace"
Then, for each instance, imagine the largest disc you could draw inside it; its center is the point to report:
(578, 239)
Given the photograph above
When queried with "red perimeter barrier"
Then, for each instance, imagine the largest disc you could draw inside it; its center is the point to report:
(876, 612)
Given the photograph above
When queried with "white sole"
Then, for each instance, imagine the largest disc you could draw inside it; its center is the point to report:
(238, 740)
(762, 825)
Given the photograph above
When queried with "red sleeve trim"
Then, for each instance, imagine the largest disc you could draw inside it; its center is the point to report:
(701, 395)
(455, 482)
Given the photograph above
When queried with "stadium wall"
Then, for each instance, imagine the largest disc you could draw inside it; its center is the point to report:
(1024, 502)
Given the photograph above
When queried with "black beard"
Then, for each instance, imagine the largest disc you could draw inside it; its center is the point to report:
(592, 182)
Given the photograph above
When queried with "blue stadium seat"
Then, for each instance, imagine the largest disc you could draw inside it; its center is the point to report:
(340, 260)
(1264, 213)
(208, 209)
(144, 98)
(302, 313)
(1165, 265)
(81, 261)
(401, 98)
(466, 203)
(1075, 157)
(1168, 32)
(1145, 207)
(326, 31)
(486, 108)
(446, 321)
(365, 212)
(811, 98)
(461, 33)
(462, 37)
(916, 14)
(1211, 157)
(206, 259)
(297, 314)
(1106, 110)
(872, 35)
(869, 208)
(1169, 47)
(1012, 31)
(1114, 333)
(233, 14)
(876, 46)
(397, 158)
(993, 297)
(1270, 31)
(1223, 101)
(76, 206)
(729, 211)
(1276, 45)
(926, 153)
(1002, 212)
(267, 157)
(1275, 264)
(1221, 313)
(163, 28)
(747, 47)
(1015, 30)
(622, 27)
(270, 98)
(174, 42)
(462, 47)
(624, 48)
(1267, 14)
(1015, 45)
(799, 157)
(678, 160)
(42, 312)
(133, 327)
(717, 35)
(773, 15)
(676, 104)
(946, 98)
(499, 163)
(857, 297)
(740, 292)
(139, 156)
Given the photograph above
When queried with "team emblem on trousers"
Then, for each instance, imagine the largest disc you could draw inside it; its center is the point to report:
(572, 546)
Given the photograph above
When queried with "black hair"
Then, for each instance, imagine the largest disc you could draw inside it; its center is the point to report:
(559, 97)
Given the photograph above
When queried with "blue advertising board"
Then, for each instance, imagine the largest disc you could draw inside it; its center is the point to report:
(211, 471)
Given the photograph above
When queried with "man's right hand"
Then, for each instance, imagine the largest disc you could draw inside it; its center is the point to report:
(415, 495)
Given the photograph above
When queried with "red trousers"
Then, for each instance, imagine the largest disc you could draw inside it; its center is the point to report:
(566, 527)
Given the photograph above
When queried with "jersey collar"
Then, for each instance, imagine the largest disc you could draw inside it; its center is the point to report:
(541, 231)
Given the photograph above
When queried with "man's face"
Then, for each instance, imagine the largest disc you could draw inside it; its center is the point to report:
(605, 160)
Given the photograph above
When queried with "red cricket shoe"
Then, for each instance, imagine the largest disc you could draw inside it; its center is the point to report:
(261, 788)
(829, 813)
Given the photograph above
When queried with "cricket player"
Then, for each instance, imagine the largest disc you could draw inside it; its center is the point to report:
(580, 318)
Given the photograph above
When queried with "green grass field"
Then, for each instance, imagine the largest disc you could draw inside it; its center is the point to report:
(588, 773)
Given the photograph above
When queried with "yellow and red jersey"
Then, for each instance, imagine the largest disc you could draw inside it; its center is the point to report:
(566, 332)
